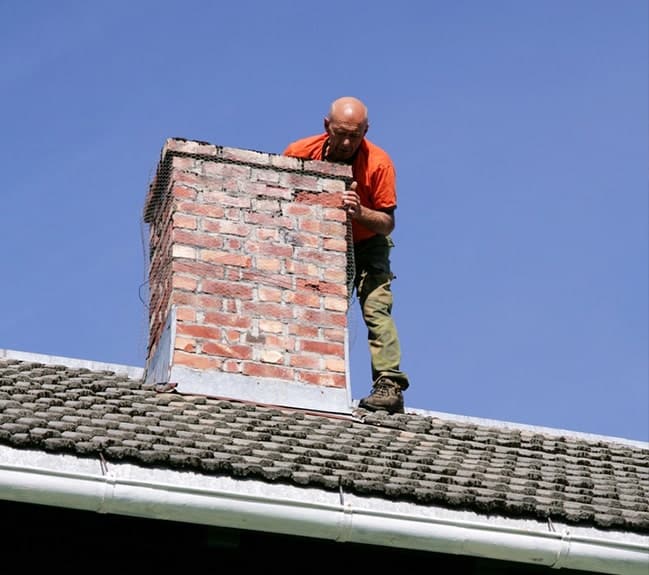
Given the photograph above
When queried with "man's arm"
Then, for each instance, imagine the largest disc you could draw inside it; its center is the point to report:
(379, 221)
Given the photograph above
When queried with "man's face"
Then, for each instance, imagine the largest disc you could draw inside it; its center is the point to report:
(344, 138)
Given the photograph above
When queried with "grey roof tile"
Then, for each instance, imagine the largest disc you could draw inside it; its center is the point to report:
(428, 460)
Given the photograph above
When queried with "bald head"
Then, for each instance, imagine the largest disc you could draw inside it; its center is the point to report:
(348, 109)
(346, 124)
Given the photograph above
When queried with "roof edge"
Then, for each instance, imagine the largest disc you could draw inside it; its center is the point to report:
(129, 371)
(121, 492)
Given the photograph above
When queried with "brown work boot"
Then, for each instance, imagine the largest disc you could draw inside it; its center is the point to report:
(386, 396)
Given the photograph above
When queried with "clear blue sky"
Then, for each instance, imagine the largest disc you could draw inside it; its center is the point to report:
(519, 130)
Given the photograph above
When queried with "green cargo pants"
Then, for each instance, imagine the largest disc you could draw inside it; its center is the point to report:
(372, 282)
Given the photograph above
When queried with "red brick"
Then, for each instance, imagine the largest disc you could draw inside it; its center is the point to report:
(205, 210)
(322, 379)
(306, 361)
(245, 156)
(196, 238)
(190, 147)
(188, 283)
(238, 290)
(201, 362)
(225, 258)
(184, 221)
(226, 199)
(198, 331)
(231, 351)
(214, 318)
(268, 370)
(320, 199)
(321, 347)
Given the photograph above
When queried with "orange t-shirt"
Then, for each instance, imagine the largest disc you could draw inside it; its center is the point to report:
(373, 172)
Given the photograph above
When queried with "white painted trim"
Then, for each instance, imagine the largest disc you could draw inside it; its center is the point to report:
(66, 481)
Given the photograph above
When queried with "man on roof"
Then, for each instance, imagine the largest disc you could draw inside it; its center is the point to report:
(370, 201)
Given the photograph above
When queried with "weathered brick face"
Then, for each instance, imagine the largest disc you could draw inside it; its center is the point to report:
(250, 251)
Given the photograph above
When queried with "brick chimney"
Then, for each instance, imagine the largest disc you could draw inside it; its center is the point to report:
(248, 276)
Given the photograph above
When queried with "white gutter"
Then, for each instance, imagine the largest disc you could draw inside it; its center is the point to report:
(339, 522)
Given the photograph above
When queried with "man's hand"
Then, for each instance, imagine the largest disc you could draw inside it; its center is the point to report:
(352, 201)
(378, 221)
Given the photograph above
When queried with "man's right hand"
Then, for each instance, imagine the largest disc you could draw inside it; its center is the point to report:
(352, 201)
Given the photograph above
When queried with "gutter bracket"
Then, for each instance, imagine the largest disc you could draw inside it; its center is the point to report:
(346, 527)
(564, 551)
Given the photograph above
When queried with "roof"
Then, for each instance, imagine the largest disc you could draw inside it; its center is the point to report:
(414, 457)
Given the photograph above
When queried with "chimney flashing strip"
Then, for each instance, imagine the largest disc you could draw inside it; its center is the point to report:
(260, 390)
(158, 366)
